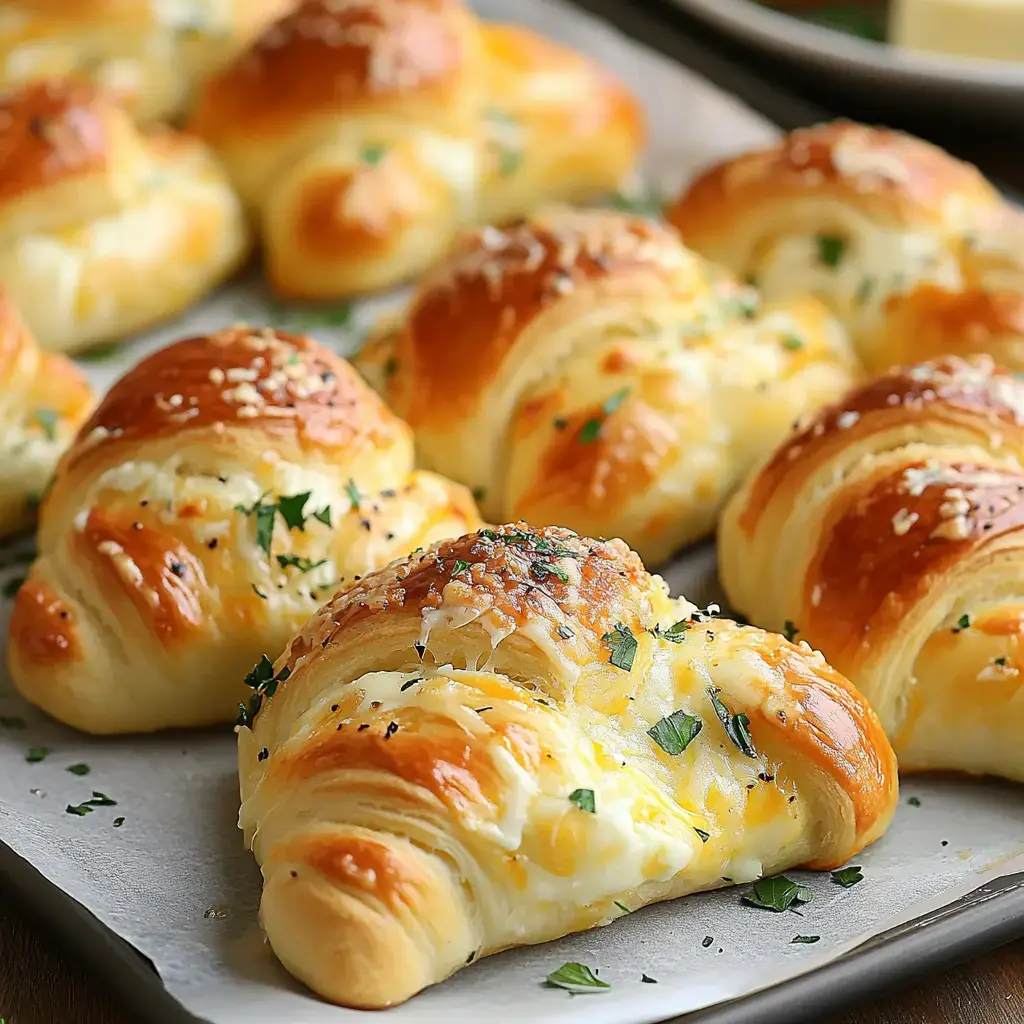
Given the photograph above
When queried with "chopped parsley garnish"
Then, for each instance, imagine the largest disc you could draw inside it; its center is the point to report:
(264, 515)
(420, 650)
(577, 978)
(847, 877)
(263, 754)
(622, 907)
(12, 586)
(324, 515)
(372, 155)
(544, 569)
(264, 682)
(708, 939)
(78, 769)
(36, 754)
(98, 353)
(390, 730)
(47, 419)
(864, 290)
(479, 493)
(704, 836)
(78, 809)
(623, 646)
(1001, 661)
(410, 682)
(914, 801)
(789, 630)
(565, 632)
(353, 493)
(648, 980)
(778, 894)
(259, 593)
(290, 507)
(99, 799)
(737, 727)
(118, 822)
(643, 204)
(675, 632)
(302, 564)
(591, 430)
(461, 565)
(964, 622)
(675, 732)
(831, 249)
(506, 135)
(793, 342)
(11, 722)
(806, 939)
(338, 315)
(583, 799)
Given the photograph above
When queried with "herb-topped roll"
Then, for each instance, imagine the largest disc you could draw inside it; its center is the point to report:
(518, 734)
(226, 486)
(915, 250)
(44, 399)
(886, 532)
(585, 368)
(364, 135)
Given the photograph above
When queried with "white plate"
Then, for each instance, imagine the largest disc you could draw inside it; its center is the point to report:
(878, 67)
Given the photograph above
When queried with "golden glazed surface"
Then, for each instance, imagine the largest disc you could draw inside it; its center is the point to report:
(224, 488)
(916, 251)
(149, 54)
(417, 781)
(105, 230)
(364, 136)
(584, 368)
(44, 399)
(887, 530)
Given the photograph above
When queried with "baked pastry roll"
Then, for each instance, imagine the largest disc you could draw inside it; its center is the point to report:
(585, 368)
(149, 55)
(364, 136)
(884, 534)
(224, 488)
(43, 401)
(103, 230)
(913, 249)
(503, 739)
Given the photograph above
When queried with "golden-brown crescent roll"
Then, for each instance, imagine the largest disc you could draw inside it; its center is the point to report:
(885, 531)
(43, 401)
(225, 487)
(913, 249)
(365, 135)
(150, 55)
(103, 230)
(585, 368)
(511, 736)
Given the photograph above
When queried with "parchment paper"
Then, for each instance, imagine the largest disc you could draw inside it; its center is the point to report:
(175, 881)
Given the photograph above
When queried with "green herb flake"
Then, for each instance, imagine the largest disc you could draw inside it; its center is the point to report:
(643, 204)
(264, 516)
(372, 155)
(99, 353)
(614, 402)
(675, 732)
(576, 978)
(864, 290)
(479, 493)
(541, 570)
(964, 622)
(737, 727)
(793, 342)
(831, 249)
(704, 836)
(47, 419)
(708, 939)
(410, 682)
(778, 894)
(847, 877)
(565, 632)
(1001, 661)
(12, 586)
(675, 633)
(304, 565)
(78, 769)
(623, 647)
(36, 754)
(99, 799)
(80, 810)
(118, 822)
(259, 593)
(622, 907)
(583, 799)
(461, 566)
(807, 940)
(914, 801)
(591, 430)
(789, 630)
(648, 980)
(290, 507)
(353, 493)
(324, 515)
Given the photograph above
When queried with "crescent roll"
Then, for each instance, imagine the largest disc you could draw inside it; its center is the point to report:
(44, 399)
(585, 368)
(515, 735)
(224, 488)
(915, 250)
(886, 532)
(150, 55)
(364, 136)
(104, 230)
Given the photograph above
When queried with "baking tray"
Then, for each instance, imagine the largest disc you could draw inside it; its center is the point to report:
(943, 928)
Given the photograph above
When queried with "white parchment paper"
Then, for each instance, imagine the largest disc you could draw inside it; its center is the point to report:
(175, 881)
